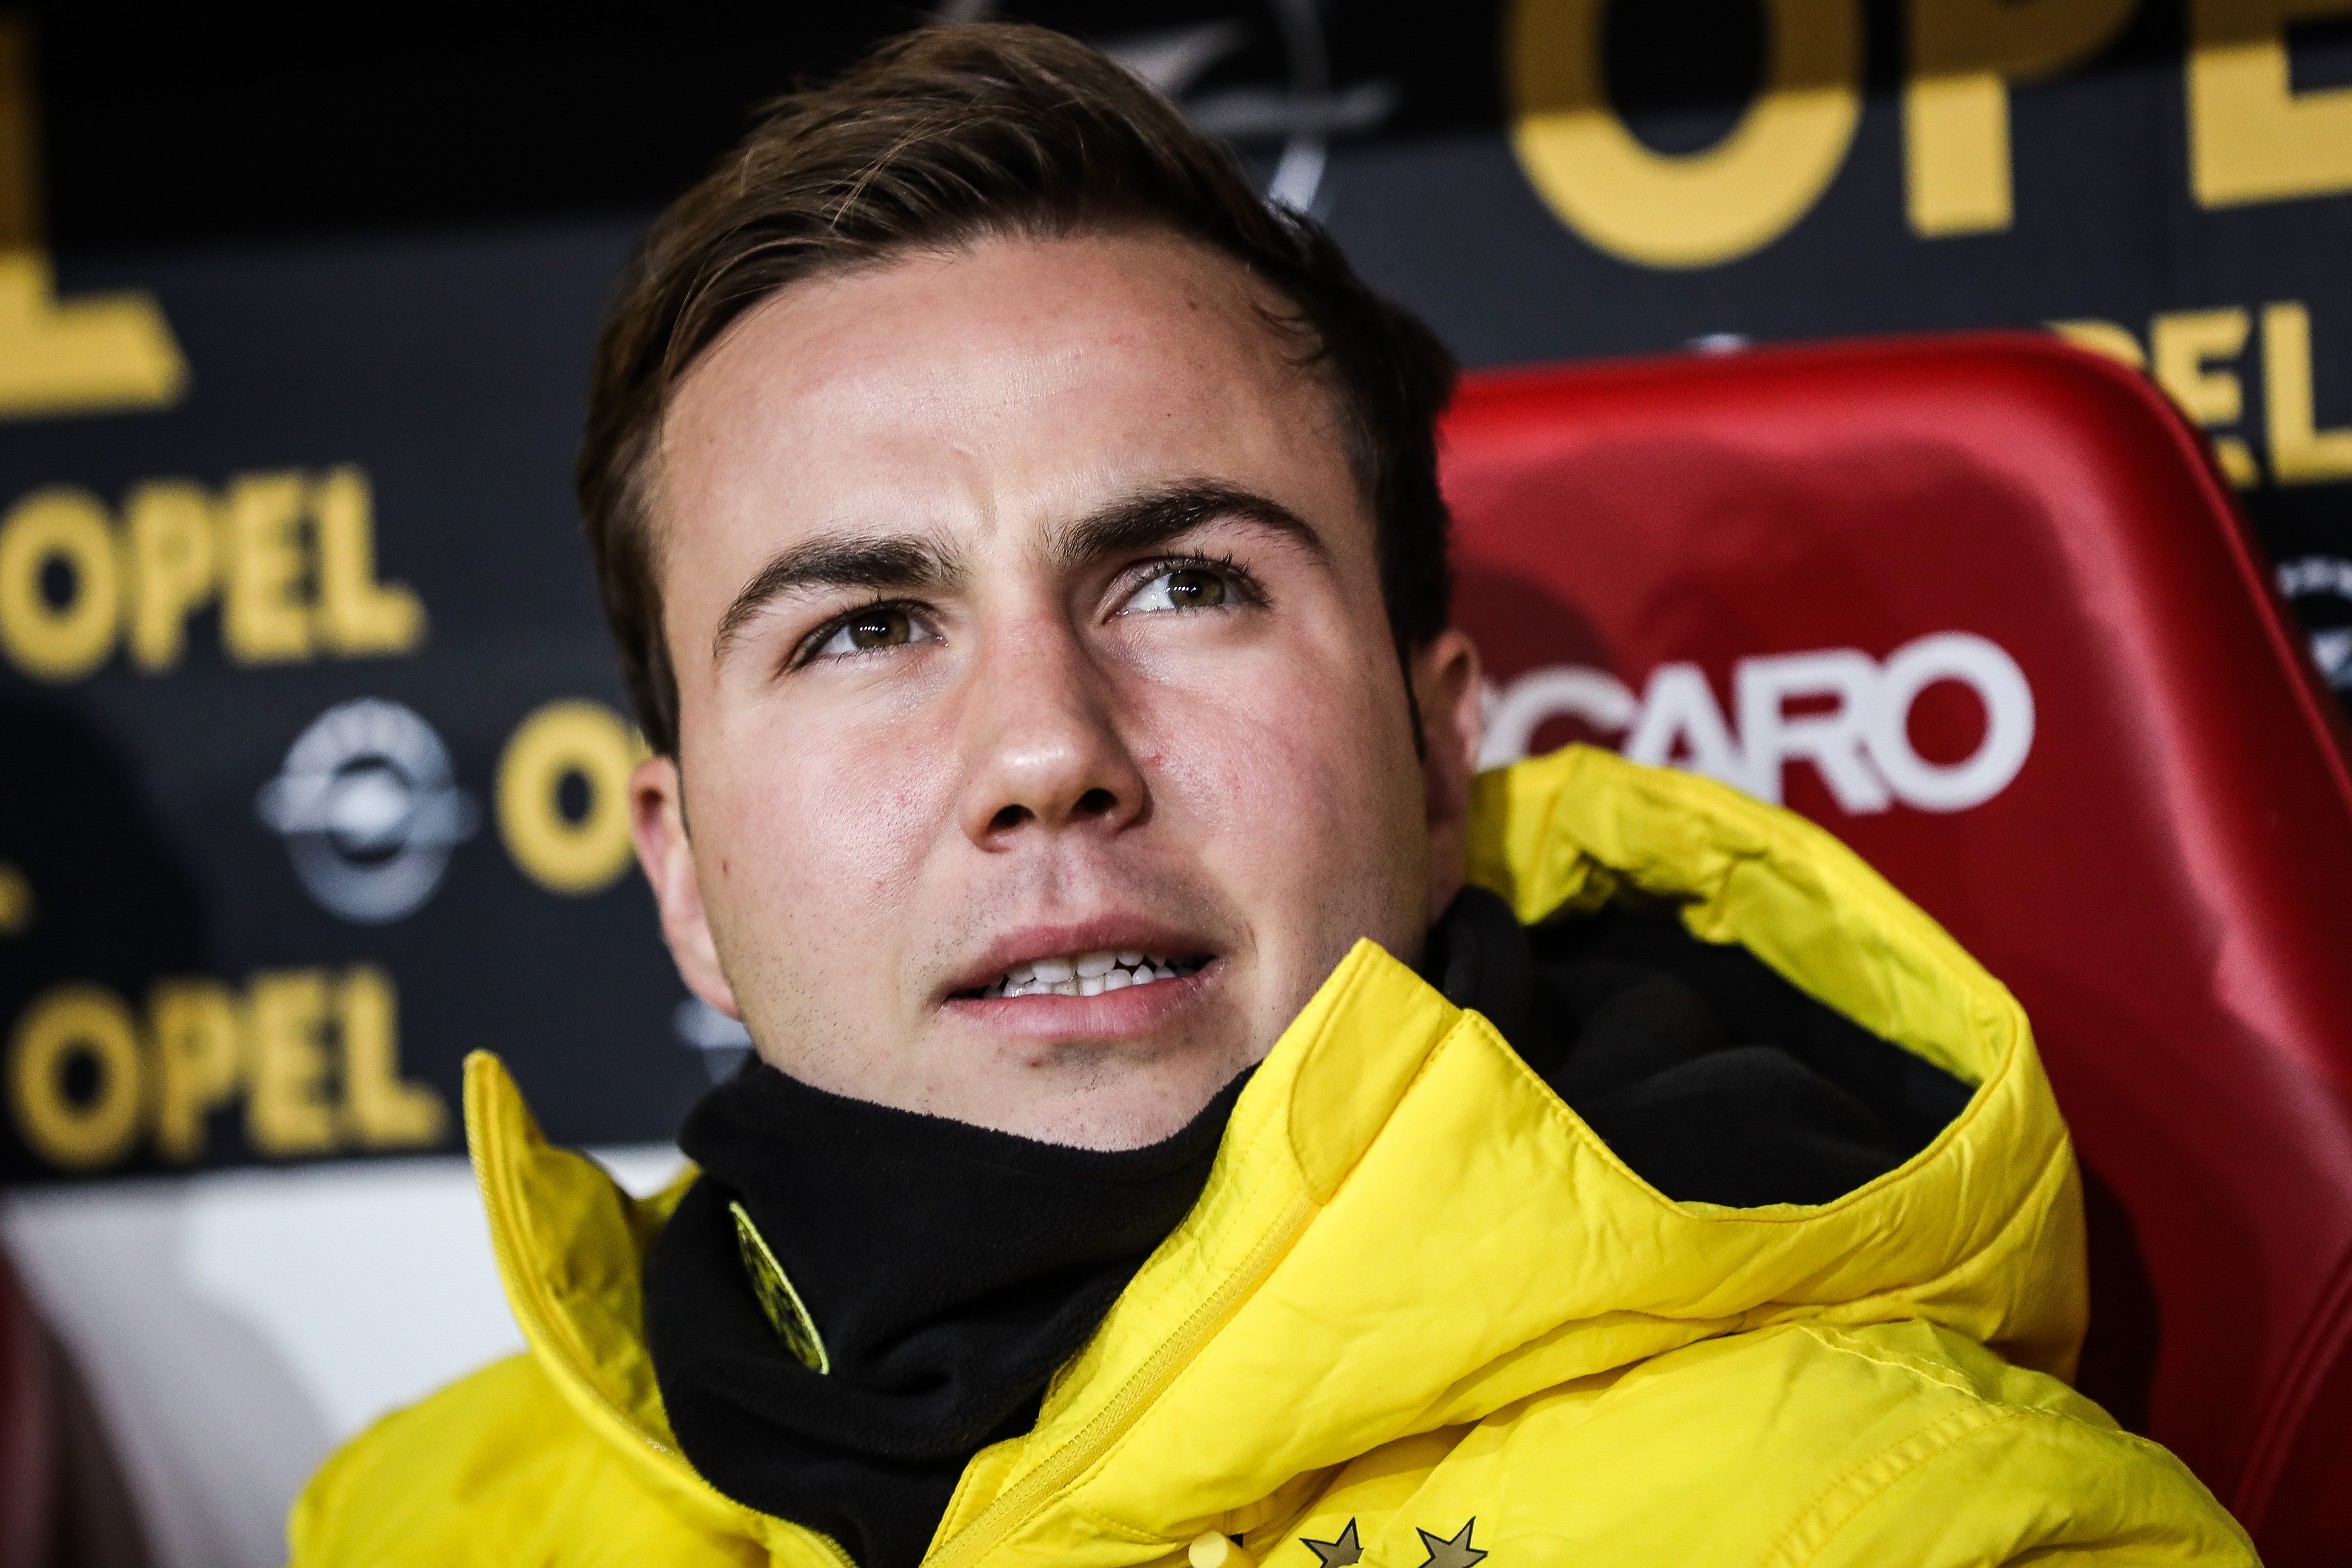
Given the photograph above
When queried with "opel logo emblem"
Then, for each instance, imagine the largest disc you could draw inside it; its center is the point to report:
(369, 811)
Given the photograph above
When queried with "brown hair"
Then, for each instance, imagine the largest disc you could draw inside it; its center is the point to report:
(947, 135)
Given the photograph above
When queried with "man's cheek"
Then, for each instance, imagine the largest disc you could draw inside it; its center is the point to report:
(1276, 803)
(792, 896)
(1231, 764)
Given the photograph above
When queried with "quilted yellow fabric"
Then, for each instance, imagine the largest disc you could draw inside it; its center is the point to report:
(1422, 1316)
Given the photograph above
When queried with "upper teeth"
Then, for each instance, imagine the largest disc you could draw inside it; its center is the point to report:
(1080, 975)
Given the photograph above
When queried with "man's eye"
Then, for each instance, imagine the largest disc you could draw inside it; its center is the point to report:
(1181, 588)
(885, 626)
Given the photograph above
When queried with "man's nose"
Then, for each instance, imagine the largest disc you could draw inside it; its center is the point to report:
(1043, 747)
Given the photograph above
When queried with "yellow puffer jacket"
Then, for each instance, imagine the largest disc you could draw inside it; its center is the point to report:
(1421, 1315)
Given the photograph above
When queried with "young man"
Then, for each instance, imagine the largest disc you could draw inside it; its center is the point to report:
(1025, 553)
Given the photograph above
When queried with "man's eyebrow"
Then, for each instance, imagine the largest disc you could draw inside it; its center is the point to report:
(906, 563)
(1154, 517)
(900, 563)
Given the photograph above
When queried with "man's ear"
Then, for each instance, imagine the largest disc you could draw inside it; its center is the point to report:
(1445, 682)
(658, 818)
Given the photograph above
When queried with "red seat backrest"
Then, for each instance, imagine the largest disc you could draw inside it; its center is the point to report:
(1979, 606)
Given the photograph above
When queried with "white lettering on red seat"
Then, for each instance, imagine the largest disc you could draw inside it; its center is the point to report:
(1853, 726)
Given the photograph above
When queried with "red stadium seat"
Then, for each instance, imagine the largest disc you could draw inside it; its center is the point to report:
(27, 1449)
(1980, 605)
(64, 1502)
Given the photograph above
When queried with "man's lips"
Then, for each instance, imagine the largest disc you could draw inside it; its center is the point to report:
(1090, 956)
(1050, 1018)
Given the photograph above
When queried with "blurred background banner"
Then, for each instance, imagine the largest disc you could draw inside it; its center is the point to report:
(314, 751)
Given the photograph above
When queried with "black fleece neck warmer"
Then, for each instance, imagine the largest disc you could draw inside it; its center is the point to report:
(1715, 1078)
(950, 1270)
(947, 1269)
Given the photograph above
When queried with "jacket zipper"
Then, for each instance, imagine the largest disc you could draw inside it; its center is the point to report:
(1015, 1508)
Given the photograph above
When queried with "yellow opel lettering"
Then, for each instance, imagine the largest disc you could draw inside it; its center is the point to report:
(291, 556)
(289, 1110)
(267, 620)
(2183, 343)
(2108, 337)
(199, 1034)
(2188, 344)
(2301, 453)
(73, 356)
(1964, 56)
(381, 1109)
(575, 740)
(174, 567)
(357, 615)
(68, 530)
(317, 1053)
(1699, 209)
(2251, 138)
(19, 908)
(89, 1125)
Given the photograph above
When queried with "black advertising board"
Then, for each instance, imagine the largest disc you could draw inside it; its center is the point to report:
(309, 741)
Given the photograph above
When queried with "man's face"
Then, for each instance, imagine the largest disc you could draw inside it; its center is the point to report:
(1025, 611)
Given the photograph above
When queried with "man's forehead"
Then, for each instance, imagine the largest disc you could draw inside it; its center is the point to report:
(915, 393)
(990, 332)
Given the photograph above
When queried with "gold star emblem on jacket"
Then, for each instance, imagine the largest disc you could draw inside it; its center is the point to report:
(1455, 1552)
(1344, 1552)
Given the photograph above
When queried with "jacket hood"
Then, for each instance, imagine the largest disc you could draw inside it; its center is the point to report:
(1405, 1229)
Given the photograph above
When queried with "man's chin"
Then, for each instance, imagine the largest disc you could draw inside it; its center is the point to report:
(1132, 1109)
(1120, 1071)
